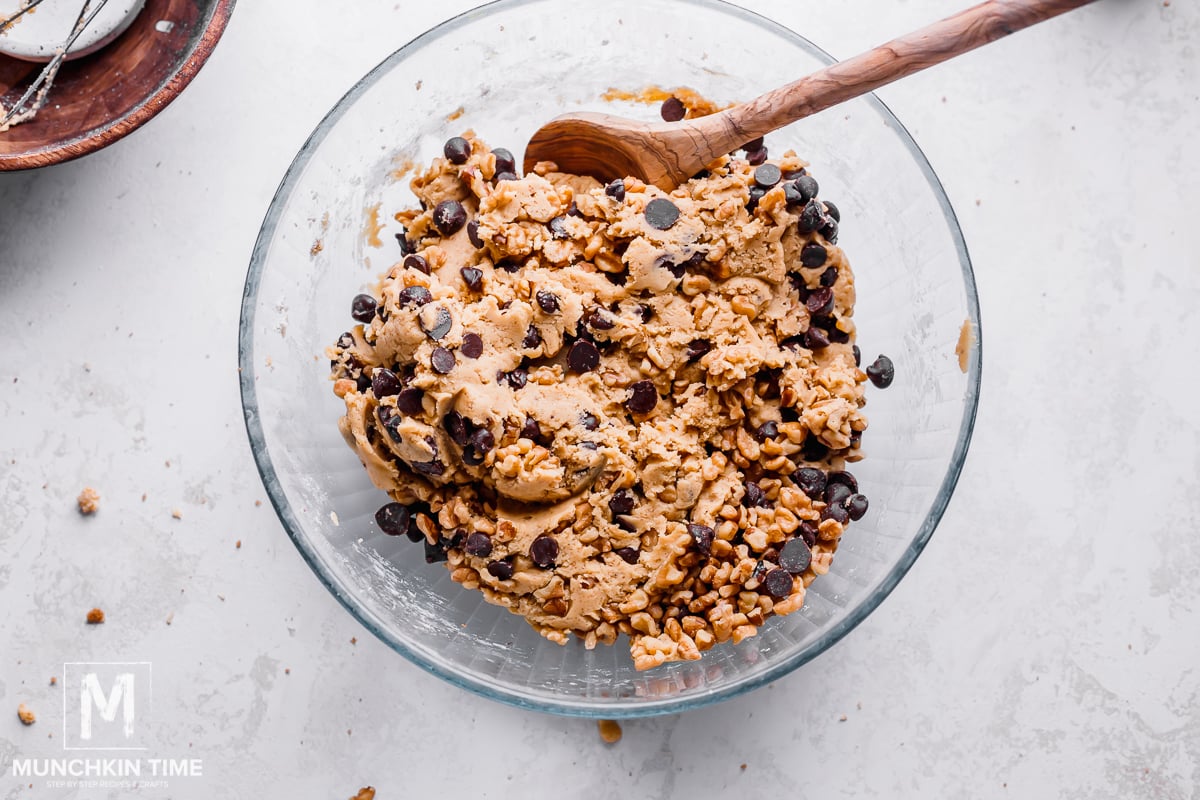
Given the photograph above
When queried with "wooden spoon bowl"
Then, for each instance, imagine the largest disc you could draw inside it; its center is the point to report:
(100, 98)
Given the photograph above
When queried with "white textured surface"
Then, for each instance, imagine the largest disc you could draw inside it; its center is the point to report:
(1045, 645)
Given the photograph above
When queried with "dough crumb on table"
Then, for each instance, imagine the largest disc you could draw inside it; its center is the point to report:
(88, 500)
(25, 714)
(608, 408)
(610, 730)
(365, 793)
(95, 617)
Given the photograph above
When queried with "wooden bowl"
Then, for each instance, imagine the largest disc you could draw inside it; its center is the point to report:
(100, 98)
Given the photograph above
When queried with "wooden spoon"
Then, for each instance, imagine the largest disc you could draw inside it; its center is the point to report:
(668, 153)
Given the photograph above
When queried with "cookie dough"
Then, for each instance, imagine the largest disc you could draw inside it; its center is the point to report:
(612, 409)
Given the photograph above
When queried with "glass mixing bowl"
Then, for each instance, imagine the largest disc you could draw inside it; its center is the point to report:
(502, 70)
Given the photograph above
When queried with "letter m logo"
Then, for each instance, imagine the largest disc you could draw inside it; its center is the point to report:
(92, 696)
(106, 705)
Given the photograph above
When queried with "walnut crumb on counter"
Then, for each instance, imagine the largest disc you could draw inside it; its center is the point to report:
(610, 731)
(25, 714)
(95, 617)
(365, 793)
(89, 501)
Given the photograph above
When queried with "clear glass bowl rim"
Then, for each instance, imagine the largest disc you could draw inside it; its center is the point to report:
(565, 707)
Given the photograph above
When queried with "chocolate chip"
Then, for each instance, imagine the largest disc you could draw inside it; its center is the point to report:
(346, 341)
(449, 216)
(583, 356)
(435, 553)
(753, 495)
(628, 554)
(808, 532)
(589, 445)
(414, 295)
(837, 494)
(830, 231)
(558, 228)
(833, 211)
(811, 218)
(855, 439)
(697, 348)
(416, 262)
(621, 502)
(533, 338)
(616, 190)
(756, 194)
(829, 277)
(531, 430)
(505, 161)
(430, 468)
(661, 213)
(544, 551)
(472, 345)
(814, 449)
(881, 372)
(857, 355)
(837, 513)
(505, 176)
(473, 234)
(796, 557)
(483, 441)
(673, 110)
(548, 302)
(768, 430)
(813, 255)
(702, 537)
(807, 186)
(667, 262)
(472, 277)
(362, 308)
(754, 144)
(517, 378)
(500, 570)
(645, 312)
(457, 428)
(393, 519)
(792, 195)
(441, 324)
(573, 210)
(589, 421)
(600, 320)
(816, 338)
(819, 301)
(756, 157)
(811, 481)
(767, 176)
(845, 478)
(856, 506)
(442, 360)
(778, 583)
(643, 397)
(409, 401)
(457, 150)
(384, 382)
(402, 240)
(479, 544)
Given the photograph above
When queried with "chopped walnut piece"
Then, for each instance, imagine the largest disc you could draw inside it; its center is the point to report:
(89, 501)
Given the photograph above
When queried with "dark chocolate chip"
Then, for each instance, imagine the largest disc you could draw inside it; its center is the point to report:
(362, 308)
(483, 441)
(384, 382)
(661, 213)
(829, 277)
(767, 176)
(830, 231)
(414, 295)
(819, 301)
(643, 397)
(435, 553)
(811, 481)
(808, 532)
(473, 234)
(414, 261)
(616, 190)
(600, 320)
(702, 537)
(457, 428)
(833, 211)
(665, 261)
(531, 430)
(673, 110)
(837, 513)
(431, 468)
(472, 345)
(589, 421)
(409, 401)
(754, 144)
(753, 495)
(558, 228)
(837, 494)
(807, 187)
(756, 157)
(548, 302)
(449, 216)
(533, 338)
(346, 341)
(881, 372)
(792, 195)
(856, 506)
(811, 218)
(457, 150)
(621, 502)
(589, 445)
(573, 210)
(544, 551)
(505, 161)
(813, 255)
(645, 312)
(505, 176)
(697, 348)
(517, 378)
(472, 277)
(845, 478)
(796, 557)
(756, 194)
(816, 338)
(500, 570)
(402, 240)
(628, 554)
(792, 174)
(442, 360)
(814, 449)
(479, 544)
(768, 430)
(441, 324)
(778, 583)
(393, 519)
(583, 356)
(857, 355)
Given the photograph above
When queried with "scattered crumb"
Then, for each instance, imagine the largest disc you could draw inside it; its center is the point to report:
(418, 87)
(167, 463)
(858, 705)
(95, 617)
(170, 617)
(372, 227)
(143, 497)
(269, 361)
(367, 792)
(257, 503)
(978, 202)
(610, 731)
(966, 338)
(333, 517)
(53, 680)
(353, 640)
(742, 767)
(238, 544)
(176, 513)
(25, 714)
(455, 114)
(842, 718)
(287, 670)
(89, 501)
(317, 247)
(221, 597)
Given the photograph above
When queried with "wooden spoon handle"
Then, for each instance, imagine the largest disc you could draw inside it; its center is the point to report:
(898, 58)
